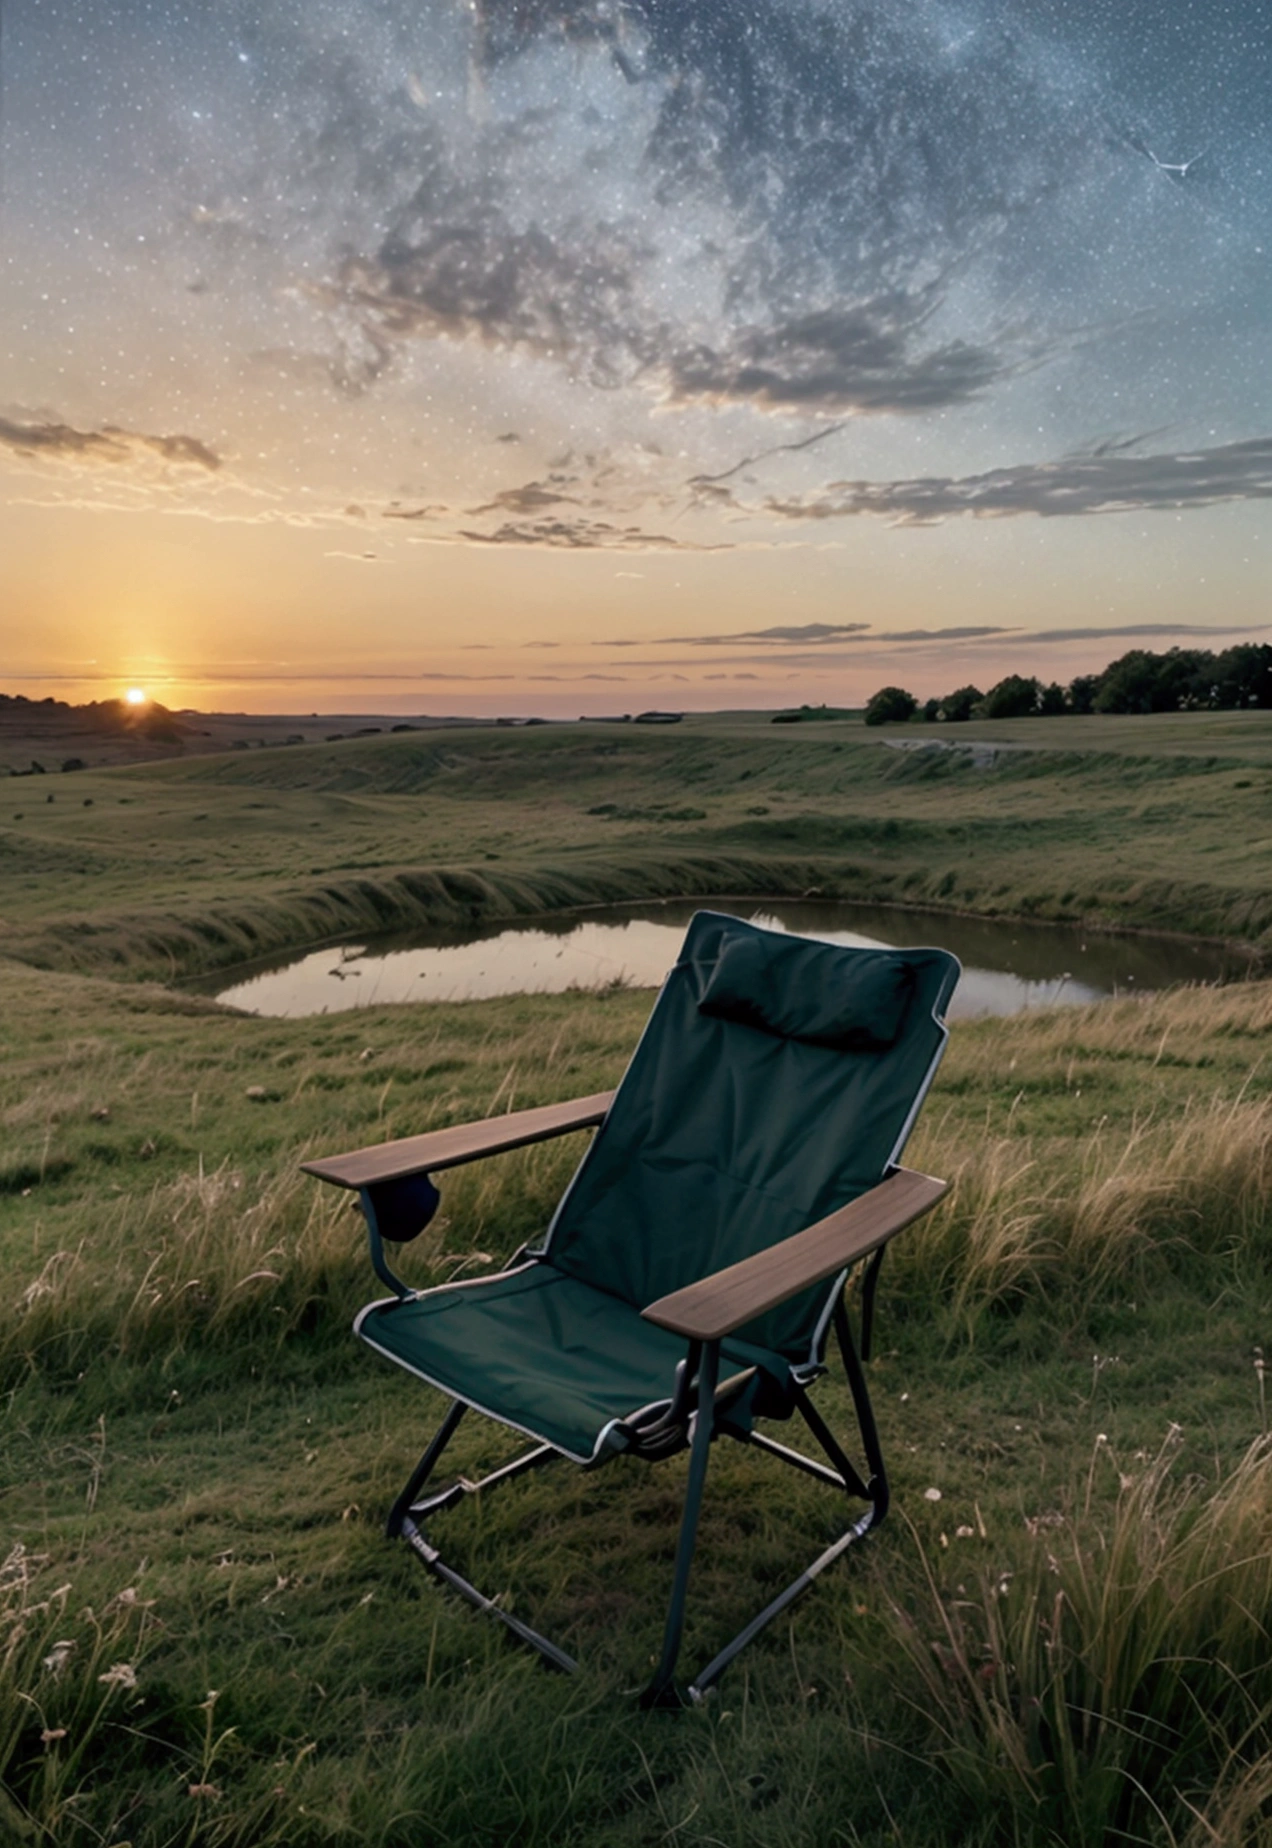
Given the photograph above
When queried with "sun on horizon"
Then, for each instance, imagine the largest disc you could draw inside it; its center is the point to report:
(136, 696)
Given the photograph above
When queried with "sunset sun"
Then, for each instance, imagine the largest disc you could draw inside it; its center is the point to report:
(135, 696)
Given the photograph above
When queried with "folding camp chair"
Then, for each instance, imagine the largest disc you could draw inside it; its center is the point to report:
(696, 1264)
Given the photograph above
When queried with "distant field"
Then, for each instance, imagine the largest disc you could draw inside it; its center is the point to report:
(162, 869)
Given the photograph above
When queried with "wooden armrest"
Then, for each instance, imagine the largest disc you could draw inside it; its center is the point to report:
(450, 1148)
(714, 1306)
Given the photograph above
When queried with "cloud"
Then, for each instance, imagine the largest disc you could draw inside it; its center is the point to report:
(792, 634)
(1130, 630)
(471, 274)
(433, 512)
(110, 446)
(580, 535)
(859, 359)
(359, 558)
(1109, 482)
(530, 498)
(788, 634)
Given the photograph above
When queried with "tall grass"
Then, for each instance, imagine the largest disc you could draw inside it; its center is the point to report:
(1169, 1192)
(228, 1259)
(1117, 1686)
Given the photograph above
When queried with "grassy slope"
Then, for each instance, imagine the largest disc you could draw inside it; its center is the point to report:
(1163, 822)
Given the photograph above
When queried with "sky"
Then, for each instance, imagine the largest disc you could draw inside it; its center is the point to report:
(581, 356)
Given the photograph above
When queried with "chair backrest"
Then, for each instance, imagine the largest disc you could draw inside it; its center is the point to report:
(776, 1080)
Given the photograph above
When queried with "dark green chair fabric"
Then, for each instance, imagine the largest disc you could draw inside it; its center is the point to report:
(776, 1080)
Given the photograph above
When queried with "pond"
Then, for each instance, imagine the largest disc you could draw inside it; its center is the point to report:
(1006, 966)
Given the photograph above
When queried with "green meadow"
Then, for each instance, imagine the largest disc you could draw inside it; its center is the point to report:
(1061, 1633)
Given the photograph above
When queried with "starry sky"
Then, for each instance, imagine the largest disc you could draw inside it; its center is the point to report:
(573, 356)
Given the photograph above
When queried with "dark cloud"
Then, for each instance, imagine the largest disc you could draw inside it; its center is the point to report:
(969, 633)
(1110, 482)
(109, 446)
(530, 498)
(856, 359)
(414, 513)
(791, 634)
(1131, 630)
(579, 535)
(472, 274)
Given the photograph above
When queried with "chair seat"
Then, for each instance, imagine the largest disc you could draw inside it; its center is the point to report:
(541, 1351)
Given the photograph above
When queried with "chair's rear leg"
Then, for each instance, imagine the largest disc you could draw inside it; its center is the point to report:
(849, 1476)
(424, 1469)
(662, 1690)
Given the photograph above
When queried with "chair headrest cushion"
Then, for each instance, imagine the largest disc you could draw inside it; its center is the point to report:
(850, 1001)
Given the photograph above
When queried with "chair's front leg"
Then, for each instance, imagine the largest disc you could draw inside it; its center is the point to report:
(662, 1690)
(877, 1482)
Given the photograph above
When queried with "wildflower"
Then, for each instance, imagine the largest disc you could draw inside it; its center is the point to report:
(120, 1675)
(58, 1657)
(52, 1734)
(932, 1495)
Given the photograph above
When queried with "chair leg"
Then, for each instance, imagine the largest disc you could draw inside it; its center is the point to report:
(423, 1469)
(844, 1475)
(662, 1690)
(401, 1524)
(877, 1484)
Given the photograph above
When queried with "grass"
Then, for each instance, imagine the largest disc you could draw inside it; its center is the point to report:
(1160, 822)
(1061, 1633)
(1069, 1645)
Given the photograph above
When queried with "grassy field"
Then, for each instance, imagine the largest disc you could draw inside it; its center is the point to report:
(1161, 822)
(203, 1638)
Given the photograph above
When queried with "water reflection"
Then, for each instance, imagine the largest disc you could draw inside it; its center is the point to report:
(1006, 967)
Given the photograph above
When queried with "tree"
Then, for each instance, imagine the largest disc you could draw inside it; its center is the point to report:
(1051, 700)
(1080, 693)
(1133, 683)
(1013, 698)
(1244, 675)
(957, 707)
(890, 706)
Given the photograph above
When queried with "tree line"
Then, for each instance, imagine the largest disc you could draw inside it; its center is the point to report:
(1181, 680)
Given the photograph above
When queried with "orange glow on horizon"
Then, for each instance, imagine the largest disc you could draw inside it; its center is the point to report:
(135, 696)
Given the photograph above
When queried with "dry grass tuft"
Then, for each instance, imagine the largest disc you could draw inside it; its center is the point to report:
(1020, 1220)
(68, 1677)
(1121, 1683)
